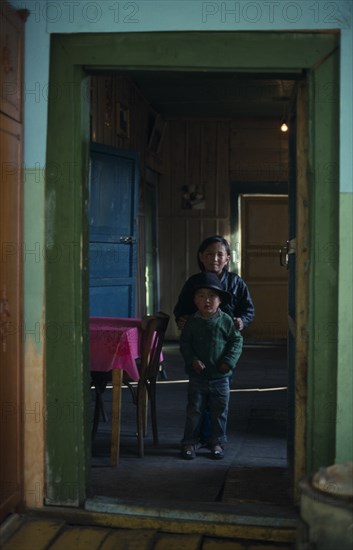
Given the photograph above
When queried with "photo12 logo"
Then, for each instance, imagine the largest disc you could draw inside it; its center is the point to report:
(77, 11)
(270, 12)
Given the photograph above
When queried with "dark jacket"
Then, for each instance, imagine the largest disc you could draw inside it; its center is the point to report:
(241, 304)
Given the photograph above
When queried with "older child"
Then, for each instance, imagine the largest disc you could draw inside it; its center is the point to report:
(210, 345)
(213, 256)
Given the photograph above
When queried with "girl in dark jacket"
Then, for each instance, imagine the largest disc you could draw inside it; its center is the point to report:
(213, 256)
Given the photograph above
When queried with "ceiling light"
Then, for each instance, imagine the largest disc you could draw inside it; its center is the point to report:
(284, 126)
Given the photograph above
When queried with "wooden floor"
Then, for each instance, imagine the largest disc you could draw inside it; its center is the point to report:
(69, 531)
(255, 466)
(163, 502)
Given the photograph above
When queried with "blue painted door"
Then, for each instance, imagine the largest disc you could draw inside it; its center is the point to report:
(113, 188)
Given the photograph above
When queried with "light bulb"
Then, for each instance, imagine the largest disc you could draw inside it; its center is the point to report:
(284, 126)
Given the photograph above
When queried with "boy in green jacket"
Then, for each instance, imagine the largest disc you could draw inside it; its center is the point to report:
(211, 347)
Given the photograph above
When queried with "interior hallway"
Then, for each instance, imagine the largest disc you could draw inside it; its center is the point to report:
(254, 471)
(164, 502)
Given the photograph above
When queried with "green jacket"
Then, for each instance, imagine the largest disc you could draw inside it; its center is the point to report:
(212, 341)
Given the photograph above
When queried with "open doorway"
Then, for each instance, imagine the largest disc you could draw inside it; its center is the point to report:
(261, 364)
(63, 115)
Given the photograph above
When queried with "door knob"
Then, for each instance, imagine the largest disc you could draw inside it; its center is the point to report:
(285, 250)
(127, 239)
(283, 255)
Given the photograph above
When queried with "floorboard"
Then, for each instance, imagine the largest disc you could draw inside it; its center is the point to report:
(255, 466)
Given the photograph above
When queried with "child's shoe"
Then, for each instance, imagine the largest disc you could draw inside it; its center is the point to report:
(217, 451)
(188, 452)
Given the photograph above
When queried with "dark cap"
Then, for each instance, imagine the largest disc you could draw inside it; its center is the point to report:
(210, 280)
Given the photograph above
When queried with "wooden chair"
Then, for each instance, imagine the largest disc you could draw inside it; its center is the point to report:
(99, 381)
(152, 338)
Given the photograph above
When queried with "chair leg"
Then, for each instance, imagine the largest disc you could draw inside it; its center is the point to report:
(117, 378)
(100, 385)
(152, 393)
(145, 411)
(140, 413)
(142, 394)
(96, 414)
(102, 408)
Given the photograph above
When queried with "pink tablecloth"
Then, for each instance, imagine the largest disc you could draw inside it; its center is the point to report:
(114, 344)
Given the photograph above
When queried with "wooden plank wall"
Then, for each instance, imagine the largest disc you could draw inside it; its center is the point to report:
(207, 154)
(258, 151)
(211, 154)
(195, 154)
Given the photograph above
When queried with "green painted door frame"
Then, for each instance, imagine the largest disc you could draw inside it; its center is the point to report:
(66, 288)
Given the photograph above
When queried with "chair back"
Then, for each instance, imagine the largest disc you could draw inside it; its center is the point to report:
(153, 332)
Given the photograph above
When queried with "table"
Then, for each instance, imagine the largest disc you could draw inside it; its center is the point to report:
(114, 346)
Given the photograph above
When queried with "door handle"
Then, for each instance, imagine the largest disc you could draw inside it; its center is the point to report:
(284, 251)
(127, 239)
(283, 255)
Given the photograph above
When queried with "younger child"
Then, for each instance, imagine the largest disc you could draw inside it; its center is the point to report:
(211, 346)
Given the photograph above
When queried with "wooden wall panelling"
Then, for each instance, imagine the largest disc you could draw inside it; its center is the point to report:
(258, 151)
(210, 226)
(222, 179)
(196, 152)
(208, 169)
(174, 254)
(167, 234)
(223, 228)
(101, 110)
(195, 183)
(165, 191)
(107, 96)
(166, 265)
(122, 100)
(177, 165)
(136, 113)
(142, 130)
(195, 236)
(192, 154)
(138, 123)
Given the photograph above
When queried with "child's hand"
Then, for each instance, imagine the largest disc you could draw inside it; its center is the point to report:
(224, 368)
(181, 322)
(198, 366)
(238, 323)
